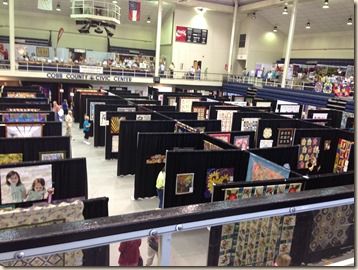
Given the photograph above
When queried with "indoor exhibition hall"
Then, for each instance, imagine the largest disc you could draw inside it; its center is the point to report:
(152, 133)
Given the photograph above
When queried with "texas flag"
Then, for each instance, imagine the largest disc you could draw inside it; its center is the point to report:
(134, 11)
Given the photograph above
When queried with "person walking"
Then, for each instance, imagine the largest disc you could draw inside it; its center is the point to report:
(130, 253)
(65, 106)
(55, 109)
(69, 121)
(160, 186)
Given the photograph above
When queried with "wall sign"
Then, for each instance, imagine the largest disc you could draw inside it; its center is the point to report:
(102, 78)
(191, 35)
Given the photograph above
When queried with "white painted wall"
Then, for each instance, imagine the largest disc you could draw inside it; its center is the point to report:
(215, 54)
(166, 44)
(323, 45)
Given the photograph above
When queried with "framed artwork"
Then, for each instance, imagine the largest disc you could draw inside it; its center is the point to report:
(41, 216)
(102, 118)
(155, 159)
(256, 242)
(126, 109)
(201, 110)
(289, 108)
(186, 103)
(266, 143)
(42, 51)
(320, 116)
(342, 156)
(184, 183)
(115, 124)
(10, 158)
(115, 143)
(263, 104)
(223, 137)
(91, 113)
(249, 124)
(22, 109)
(327, 145)
(242, 142)
(285, 136)
(171, 101)
(21, 130)
(143, 117)
(226, 119)
(52, 155)
(217, 176)
(345, 116)
(308, 148)
(17, 183)
(24, 117)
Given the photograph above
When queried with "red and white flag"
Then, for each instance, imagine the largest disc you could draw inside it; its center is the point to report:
(44, 4)
(134, 11)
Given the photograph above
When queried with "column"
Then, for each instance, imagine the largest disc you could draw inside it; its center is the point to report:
(233, 28)
(289, 43)
(12, 34)
(157, 46)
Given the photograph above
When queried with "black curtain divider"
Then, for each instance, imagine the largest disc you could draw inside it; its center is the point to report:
(177, 96)
(41, 107)
(209, 125)
(50, 115)
(127, 154)
(198, 162)
(144, 102)
(99, 132)
(233, 134)
(153, 92)
(181, 115)
(98, 256)
(326, 158)
(218, 142)
(279, 155)
(329, 180)
(32, 147)
(28, 101)
(159, 108)
(151, 144)
(334, 115)
(69, 177)
(49, 128)
(79, 104)
(255, 109)
(272, 105)
(109, 154)
(237, 118)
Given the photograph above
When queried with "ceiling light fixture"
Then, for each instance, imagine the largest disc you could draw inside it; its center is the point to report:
(326, 5)
(285, 12)
(308, 25)
(253, 16)
(350, 21)
(5, 2)
(148, 19)
(114, 2)
(58, 8)
(274, 29)
(201, 10)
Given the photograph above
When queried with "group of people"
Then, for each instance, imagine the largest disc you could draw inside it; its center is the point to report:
(18, 191)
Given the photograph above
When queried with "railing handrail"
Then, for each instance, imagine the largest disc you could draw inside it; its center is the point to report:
(101, 231)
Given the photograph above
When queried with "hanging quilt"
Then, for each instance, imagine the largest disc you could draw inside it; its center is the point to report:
(318, 87)
(263, 169)
(201, 110)
(41, 216)
(249, 124)
(210, 146)
(223, 137)
(266, 143)
(342, 156)
(226, 119)
(309, 148)
(242, 142)
(285, 136)
(257, 242)
(345, 116)
(186, 103)
(331, 227)
(182, 128)
(341, 90)
(327, 88)
(217, 176)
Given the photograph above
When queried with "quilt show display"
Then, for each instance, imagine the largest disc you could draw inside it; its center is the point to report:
(309, 148)
(182, 128)
(21, 130)
(257, 242)
(263, 169)
(249, 124)
(115, 123)
(285, 136)
(21, 94)
(185, 103)
(226, 119)
(242, 142)
(345, 116)
(41, 216)
(342, 156)
(184, 183)
(24, 117)
(223, 137)
(92, 106)
(201, 110)
(217, 176)
(10, 158)
(210, 146)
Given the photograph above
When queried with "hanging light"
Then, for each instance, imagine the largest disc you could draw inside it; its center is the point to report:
(350, 21)
(308, 25)
(285, 12)
(5, 2)
(58, 8)
(114, 2)
(253, 16)
(326, 5)
(148, 19)
(274, 29)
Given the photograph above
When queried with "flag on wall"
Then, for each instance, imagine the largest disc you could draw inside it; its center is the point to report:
(44, 4)
(134, 11)
(59, 35)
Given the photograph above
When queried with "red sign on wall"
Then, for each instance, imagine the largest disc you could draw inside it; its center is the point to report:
(180, 34)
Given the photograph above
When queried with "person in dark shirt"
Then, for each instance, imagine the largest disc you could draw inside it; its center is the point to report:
(313, 167)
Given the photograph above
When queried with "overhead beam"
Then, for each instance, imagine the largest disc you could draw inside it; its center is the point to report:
(262, 5)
